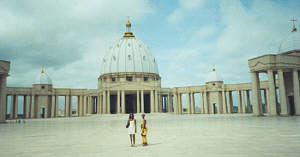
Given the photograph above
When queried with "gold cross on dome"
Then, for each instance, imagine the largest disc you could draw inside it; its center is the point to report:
(294, 27)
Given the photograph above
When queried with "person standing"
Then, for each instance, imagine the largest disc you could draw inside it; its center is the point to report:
(131, 125)
(144, 130)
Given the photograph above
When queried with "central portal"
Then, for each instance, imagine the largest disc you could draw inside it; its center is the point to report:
(130, 103)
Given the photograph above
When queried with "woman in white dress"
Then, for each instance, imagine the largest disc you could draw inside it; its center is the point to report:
(131, 125)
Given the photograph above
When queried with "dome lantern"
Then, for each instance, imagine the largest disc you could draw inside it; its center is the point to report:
(128, 32)
(43, 78)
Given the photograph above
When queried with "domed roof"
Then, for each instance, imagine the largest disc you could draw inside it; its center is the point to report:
(43, 78)
(291, 42)
(213, 76)
(129, 55)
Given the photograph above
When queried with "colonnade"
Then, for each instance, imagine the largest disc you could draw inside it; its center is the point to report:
(223, 104)
(158, 102)
(271, 96)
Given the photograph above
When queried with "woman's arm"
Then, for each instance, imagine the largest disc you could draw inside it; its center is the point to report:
(135, 125)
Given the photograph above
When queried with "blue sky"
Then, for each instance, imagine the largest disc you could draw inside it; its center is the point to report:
(187, 37)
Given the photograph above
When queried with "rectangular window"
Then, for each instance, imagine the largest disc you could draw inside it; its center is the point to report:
(129, 78)
(113, 79)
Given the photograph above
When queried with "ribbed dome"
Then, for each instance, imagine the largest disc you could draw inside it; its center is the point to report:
(213, 76)
(129, 55)
(291, 42)
(43, 78)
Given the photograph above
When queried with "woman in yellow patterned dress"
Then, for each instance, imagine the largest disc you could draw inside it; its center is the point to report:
(144, 130)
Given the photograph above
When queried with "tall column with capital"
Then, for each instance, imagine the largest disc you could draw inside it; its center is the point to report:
(175, 103)
(248, 101)
(156, 101)
(108, 102)
(230, 102)
(188, 103)
(282, 93)
(52, 106)
(138, 104)
(224, 102)
(79, 105)
(84, 105)
(104, 104)
(99, 104)
(3, 98)
(169, 103)
(272, 93)
(180, 103)
(256, 96)
(118, 102)
(123, 101)
(32, 106)
(152, 101)
(67, 106)
(296, 91)
(192, 103)
(206, 103)
(142, 102)
(56, 105)
(202, 103)
(16, 106)
(243, 102)
(239, 95)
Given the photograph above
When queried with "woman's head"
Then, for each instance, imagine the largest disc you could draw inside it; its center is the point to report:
(131, 116)
(143, 116)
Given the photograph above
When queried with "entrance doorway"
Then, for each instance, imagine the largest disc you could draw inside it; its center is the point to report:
(42, 112)
(147, 103)
(291, 105)
(215, 108)
(113, 104)
(130, 103)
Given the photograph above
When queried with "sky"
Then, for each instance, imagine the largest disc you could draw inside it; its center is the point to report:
(187, 37)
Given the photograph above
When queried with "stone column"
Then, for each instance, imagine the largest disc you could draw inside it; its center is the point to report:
(243, 102)
(52, 106)
(169, 103)
(32, 106)
(67, 106)
(192, 103)
(188, 103)
(230, 102)
(123, 101)
(282, 93)
(104, 104)
(175, 103)
(239, 101)
(248, 101)
(256, 96)
(79, 105)
(138, 104)
(56, 105)
(272, 93)
(206, 105)
(70, 106)
(156, 101)
(108, 102)
(224, 102)
(267, 100)
(118, 102)
(84, 105)
(180, 103)
(3, 98)
(142, 102)
(152, 101)
(296, 91)
(99, 104)
(16, 106)
(160, 103)
(27, 106)
(202, 103)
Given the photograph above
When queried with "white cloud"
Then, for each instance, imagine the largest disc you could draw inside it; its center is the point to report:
(184, 6)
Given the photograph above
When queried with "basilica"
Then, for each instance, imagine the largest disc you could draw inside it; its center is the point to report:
(129, 82)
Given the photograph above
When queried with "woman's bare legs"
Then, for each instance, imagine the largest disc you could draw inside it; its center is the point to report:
(133, 139)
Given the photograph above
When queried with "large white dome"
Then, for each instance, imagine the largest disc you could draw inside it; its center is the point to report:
(43, 78)
(213, 76)
(129, 55)
(291, 42)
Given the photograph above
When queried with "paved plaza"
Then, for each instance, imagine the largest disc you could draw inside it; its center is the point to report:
(169, 135)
